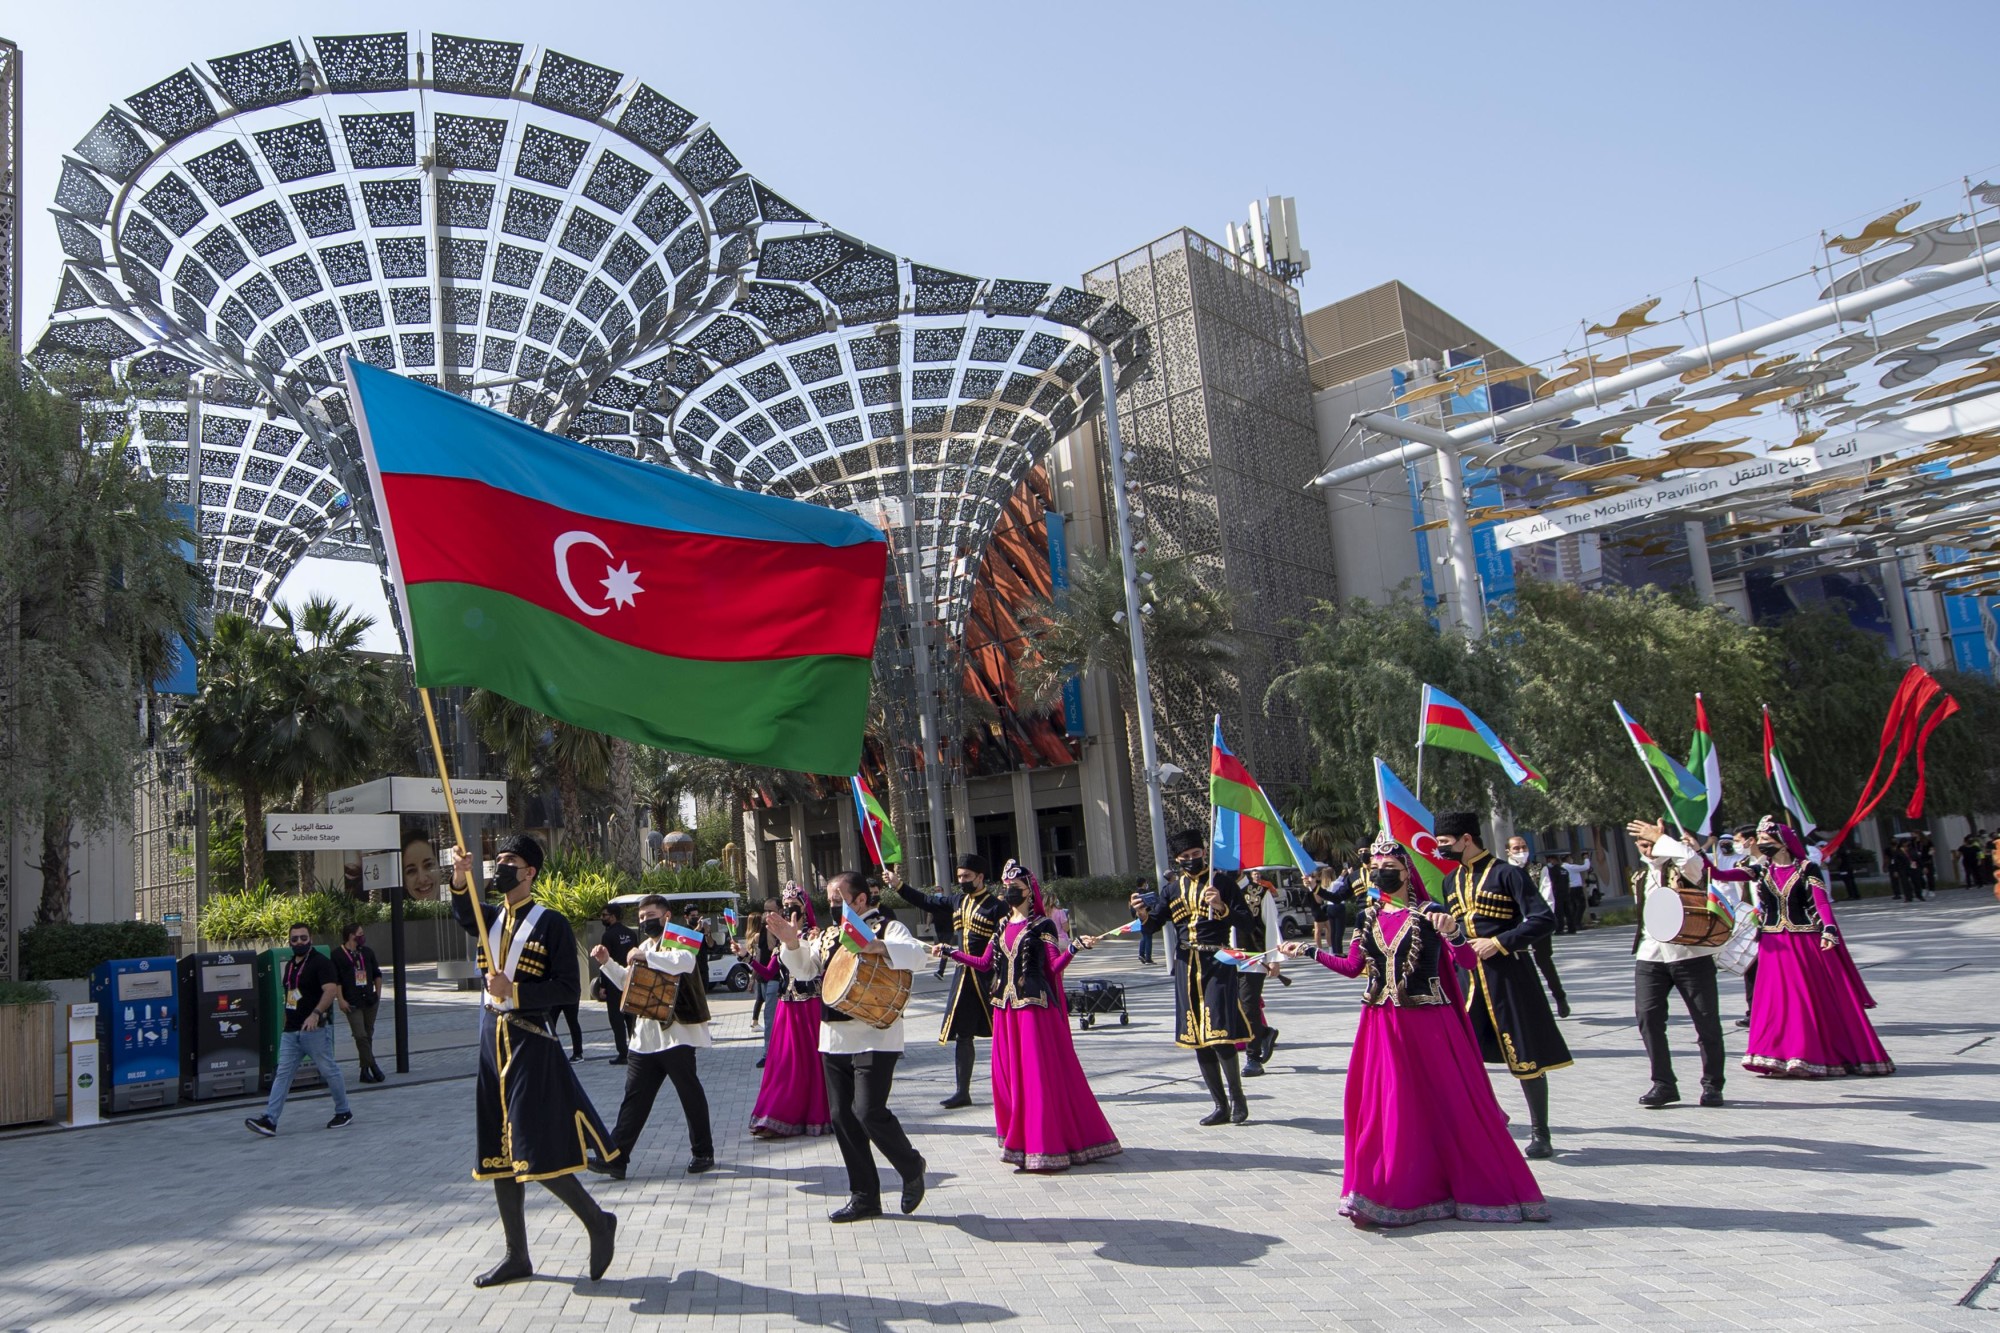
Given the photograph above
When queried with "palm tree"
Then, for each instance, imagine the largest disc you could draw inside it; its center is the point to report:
(227, 726)
(532, 746)
(1188, 642)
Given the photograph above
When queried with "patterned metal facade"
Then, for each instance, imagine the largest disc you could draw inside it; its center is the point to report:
(1224, 436)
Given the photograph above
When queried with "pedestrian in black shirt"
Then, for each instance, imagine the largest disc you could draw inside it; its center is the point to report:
(618, 940)
(360, 995)
(312, 988)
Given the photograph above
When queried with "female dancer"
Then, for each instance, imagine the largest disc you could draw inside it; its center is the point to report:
(791, 1100)
(1043, 1110)
(1808, 1018)
(1425, 1138)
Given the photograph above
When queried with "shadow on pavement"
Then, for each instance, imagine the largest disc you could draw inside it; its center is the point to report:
(1855, 1228)
(1145, 1242)
(699, 1293)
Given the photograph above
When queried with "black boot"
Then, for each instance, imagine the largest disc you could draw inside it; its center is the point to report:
(1211, 1074)
(1232, 1077)
(508, 1195)
(1536, 1090)
(962, 1066)
(602, 1226)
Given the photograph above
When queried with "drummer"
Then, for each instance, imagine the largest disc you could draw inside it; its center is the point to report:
(858, 1060)
(1661, 965)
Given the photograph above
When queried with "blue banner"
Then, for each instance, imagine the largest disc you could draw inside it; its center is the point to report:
(180, 677)
(1072, 690)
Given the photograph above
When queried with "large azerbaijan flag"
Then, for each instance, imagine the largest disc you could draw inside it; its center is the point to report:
(617, 595)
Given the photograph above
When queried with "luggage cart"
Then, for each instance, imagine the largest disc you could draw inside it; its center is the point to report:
(1097, 996)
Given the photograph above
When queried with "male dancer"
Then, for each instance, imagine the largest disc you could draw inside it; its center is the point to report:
(618, 940)
(1263, 933)
(975, 913)
(1659, 967)
(859, 1060)
(1551, 881)
(1205, 910)
(1503, 916)
(662, 1051)
(533, 1116)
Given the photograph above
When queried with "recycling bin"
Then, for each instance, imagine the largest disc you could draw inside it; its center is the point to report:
(269, 978)
(220, 1029)
(138, 1034)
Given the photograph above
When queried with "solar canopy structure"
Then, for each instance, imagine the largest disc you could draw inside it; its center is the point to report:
(558, 240)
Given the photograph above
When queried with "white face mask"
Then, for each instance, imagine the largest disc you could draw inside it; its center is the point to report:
(1517, 858)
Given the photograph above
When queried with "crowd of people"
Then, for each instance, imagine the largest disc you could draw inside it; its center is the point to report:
(1451, 984)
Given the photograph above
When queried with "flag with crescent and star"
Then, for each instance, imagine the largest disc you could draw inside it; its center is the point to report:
(620, 596)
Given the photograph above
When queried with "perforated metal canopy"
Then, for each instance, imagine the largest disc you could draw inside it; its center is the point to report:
(556, 239)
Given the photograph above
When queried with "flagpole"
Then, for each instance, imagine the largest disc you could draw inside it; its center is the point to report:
(1653, 773)
(457, 831)
(1423, 709)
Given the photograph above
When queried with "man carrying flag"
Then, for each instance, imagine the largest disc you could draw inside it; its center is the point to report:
(663, 1051)
(1503, 915)
(1249, 834)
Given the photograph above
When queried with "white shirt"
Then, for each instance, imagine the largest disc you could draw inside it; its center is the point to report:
(649, 1035)
(853, 1037)
(1670, 852)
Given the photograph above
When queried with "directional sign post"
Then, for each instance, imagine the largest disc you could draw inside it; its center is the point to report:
(329, 833)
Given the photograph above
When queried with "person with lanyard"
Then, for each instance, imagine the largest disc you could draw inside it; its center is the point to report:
(661, 1051)
(1551, 881)
(1206, 910)
(1810, 1017)
(312, 988)
(791, 1096)
(1260, 898)
(618, 940)
(1044, 1113)
(1424, 1137)
(531, 1115)
(360, 996)
(1661, 966)
(1503, 915)
(975, 914)
(859, 1061)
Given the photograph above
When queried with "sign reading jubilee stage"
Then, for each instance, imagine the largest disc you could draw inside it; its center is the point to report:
(329, 833)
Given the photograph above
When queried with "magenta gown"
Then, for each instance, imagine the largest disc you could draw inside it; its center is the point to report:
(1044, 1112)
(1425, 1139)
(791, 1099)
(1809, 1017)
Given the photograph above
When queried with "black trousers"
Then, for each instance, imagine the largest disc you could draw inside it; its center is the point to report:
(575, 1028)
(643, 1077)
(1543, 951)
(857, 1096)
(1251, 1002)
(1694, 978)
(621, 1022)
(1571, 905)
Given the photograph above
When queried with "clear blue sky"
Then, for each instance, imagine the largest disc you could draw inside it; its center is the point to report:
(1523, 166)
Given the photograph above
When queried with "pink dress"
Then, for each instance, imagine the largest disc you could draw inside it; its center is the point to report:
(1809, 1017)
(1425, 1139)
(1044, 1112)
(791, 1099)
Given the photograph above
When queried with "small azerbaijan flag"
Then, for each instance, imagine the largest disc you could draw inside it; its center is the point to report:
(1680, 784)
(620, 596)
(876, 830)
(677, 936)
(1248, 831)
(1450, 725)
(1406, 820)
(1132, 927)
(1240, 960)
(854, 932)
(729, 919)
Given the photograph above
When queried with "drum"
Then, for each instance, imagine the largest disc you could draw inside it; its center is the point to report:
(865, 988)
(1741, 951)
(650, 993)
(1680, 915)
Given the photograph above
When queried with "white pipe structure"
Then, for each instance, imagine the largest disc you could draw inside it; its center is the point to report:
(1591, 393)
(1704, 572)
(1469, 605)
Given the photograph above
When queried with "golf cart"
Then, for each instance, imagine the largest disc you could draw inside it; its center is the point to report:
(721, 969)
(1295, 918)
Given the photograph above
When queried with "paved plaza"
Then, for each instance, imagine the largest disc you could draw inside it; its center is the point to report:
(1851, 1203)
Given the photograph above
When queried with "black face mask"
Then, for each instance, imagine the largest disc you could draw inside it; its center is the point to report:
(1013, 895)
(506, 877)
(301, 950)
(653, 926)
(1387, 878)
(1194, 865)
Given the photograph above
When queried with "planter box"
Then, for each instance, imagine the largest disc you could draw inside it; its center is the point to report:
(27, 1063)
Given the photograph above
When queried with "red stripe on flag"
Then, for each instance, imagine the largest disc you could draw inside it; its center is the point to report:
(1454, 718)
(701, 597)
(1250, 842)
(1229, 768)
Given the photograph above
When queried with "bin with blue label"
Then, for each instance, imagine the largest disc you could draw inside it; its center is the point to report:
(270, 981)
(220, 1037)
(138, 1031)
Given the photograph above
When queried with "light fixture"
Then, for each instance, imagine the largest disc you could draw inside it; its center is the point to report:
(1117, 617)
(1146, 610)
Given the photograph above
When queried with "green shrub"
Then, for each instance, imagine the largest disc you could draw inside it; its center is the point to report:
(419, 909)
(24, 992)
(58, 952)
(263, 913)
(1091, 888)
(697, 879)
(578, 887)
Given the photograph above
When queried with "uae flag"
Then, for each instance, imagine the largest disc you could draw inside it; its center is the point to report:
(1697, 813)
(620, 596)
(1781, 777)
